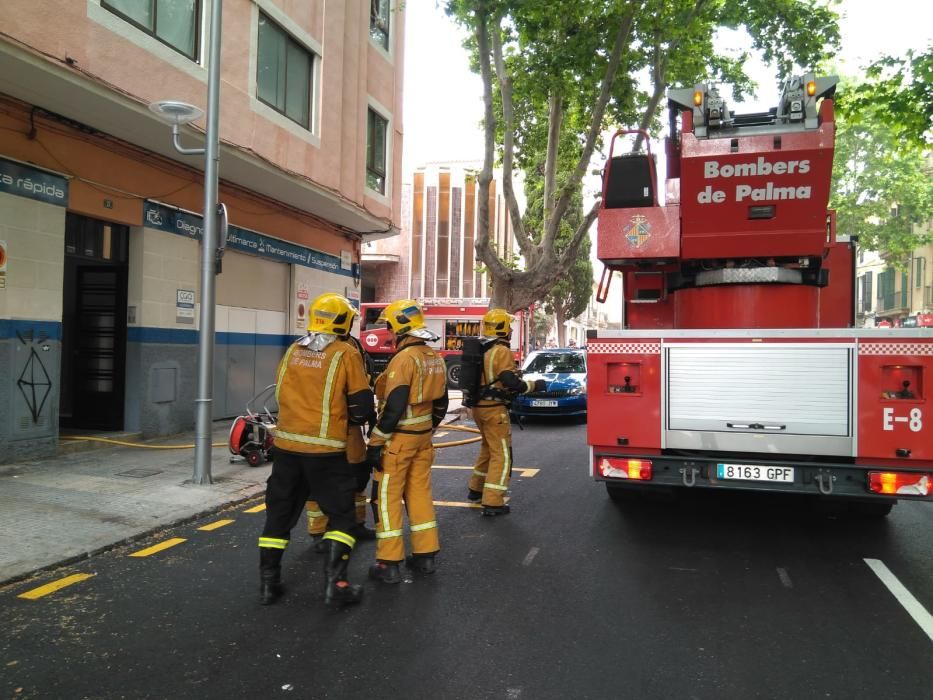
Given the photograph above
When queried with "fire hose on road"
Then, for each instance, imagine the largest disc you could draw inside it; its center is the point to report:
(124, 443)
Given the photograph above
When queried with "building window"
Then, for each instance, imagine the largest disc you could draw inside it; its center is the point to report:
(376, 130)
(417, 222)
(379, 22)
(918, 272)
(284, 73)
(443, 236)
(866, 291)
(173, 22)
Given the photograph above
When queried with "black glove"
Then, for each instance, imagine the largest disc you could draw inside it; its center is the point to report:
(374, 457)
(540, 385)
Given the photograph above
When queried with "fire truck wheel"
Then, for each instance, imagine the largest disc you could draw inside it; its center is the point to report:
(620, 494)
(453, 375)
(872, 509)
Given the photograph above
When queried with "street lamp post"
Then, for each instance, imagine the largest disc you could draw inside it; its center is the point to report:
(178, 113)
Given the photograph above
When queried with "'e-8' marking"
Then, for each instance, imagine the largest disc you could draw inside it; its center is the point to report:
(914, 420)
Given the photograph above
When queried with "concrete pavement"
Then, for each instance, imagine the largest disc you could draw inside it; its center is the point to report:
(57, 510)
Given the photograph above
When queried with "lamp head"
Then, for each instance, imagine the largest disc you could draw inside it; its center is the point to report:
(175, 112)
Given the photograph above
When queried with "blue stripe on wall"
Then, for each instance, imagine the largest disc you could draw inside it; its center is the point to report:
(52, 330)
(184, 336)
(9, 328)
(276, 340)
(173, 336)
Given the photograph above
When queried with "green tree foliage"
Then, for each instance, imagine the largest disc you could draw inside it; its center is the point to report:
(899, 91)
(882, 186)
(557, 74)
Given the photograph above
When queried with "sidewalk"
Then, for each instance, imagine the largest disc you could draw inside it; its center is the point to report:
(61, 509)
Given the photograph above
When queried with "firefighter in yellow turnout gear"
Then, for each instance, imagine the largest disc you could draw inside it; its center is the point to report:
(321, 389)
(500, 383)
(413, 403)
(356, 456)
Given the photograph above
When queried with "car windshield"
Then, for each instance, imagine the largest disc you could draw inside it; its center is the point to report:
(559, 362)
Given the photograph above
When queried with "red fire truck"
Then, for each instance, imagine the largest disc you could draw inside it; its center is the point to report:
(740, 367)
(450, 319)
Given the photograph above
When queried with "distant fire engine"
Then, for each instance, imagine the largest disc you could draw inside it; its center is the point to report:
(739, 367)
(450, 318)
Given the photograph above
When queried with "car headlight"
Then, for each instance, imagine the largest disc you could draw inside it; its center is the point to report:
(577, 391)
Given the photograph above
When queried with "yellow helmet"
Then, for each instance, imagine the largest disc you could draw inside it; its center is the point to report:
(331, 313)
(405, 317)
(497, 323)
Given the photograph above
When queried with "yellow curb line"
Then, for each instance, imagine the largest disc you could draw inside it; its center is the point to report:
(256, 509)
(158, 547)
(54, 586)
(215, 525)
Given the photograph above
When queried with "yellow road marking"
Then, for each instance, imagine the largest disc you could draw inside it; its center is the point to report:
(462, 504)
(256, 509)
(54, 586)
(158, 547)
(215, 525)
(525, 472)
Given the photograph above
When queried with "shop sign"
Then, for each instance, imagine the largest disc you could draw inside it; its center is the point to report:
(163, 218)
(184, 306)
(41, 185)
(302, 295)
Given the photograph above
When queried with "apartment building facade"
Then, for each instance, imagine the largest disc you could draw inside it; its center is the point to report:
(895, 296)
(100, 217)
(434, 257)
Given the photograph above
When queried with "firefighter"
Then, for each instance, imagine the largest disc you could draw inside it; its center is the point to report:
(356, 456)
(500, 383)
(413, 403)
(321, 388)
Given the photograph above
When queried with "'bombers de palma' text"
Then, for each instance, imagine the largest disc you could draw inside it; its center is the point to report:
(767, 192)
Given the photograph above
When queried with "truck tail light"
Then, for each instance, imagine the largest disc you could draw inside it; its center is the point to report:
(901, 483)
(624, 468)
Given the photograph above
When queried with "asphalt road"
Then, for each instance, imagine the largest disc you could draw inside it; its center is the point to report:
(571, 596)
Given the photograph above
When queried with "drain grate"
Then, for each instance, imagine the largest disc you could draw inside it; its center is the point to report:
(139, 473)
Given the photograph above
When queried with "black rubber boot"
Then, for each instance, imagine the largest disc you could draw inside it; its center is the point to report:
(474, 495)
(386, 572)
(421, 563)
(496, 510)
(363, 533)
(337, 590)
(270, 575)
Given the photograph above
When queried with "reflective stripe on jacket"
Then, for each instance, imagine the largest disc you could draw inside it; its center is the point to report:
(422, 373)
(312, 390)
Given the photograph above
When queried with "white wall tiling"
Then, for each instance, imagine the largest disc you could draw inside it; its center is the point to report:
(35, 237)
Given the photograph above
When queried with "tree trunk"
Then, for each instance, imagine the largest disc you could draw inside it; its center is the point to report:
(559, 318)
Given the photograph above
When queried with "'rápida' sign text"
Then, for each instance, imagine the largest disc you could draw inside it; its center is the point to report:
(41, 185)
